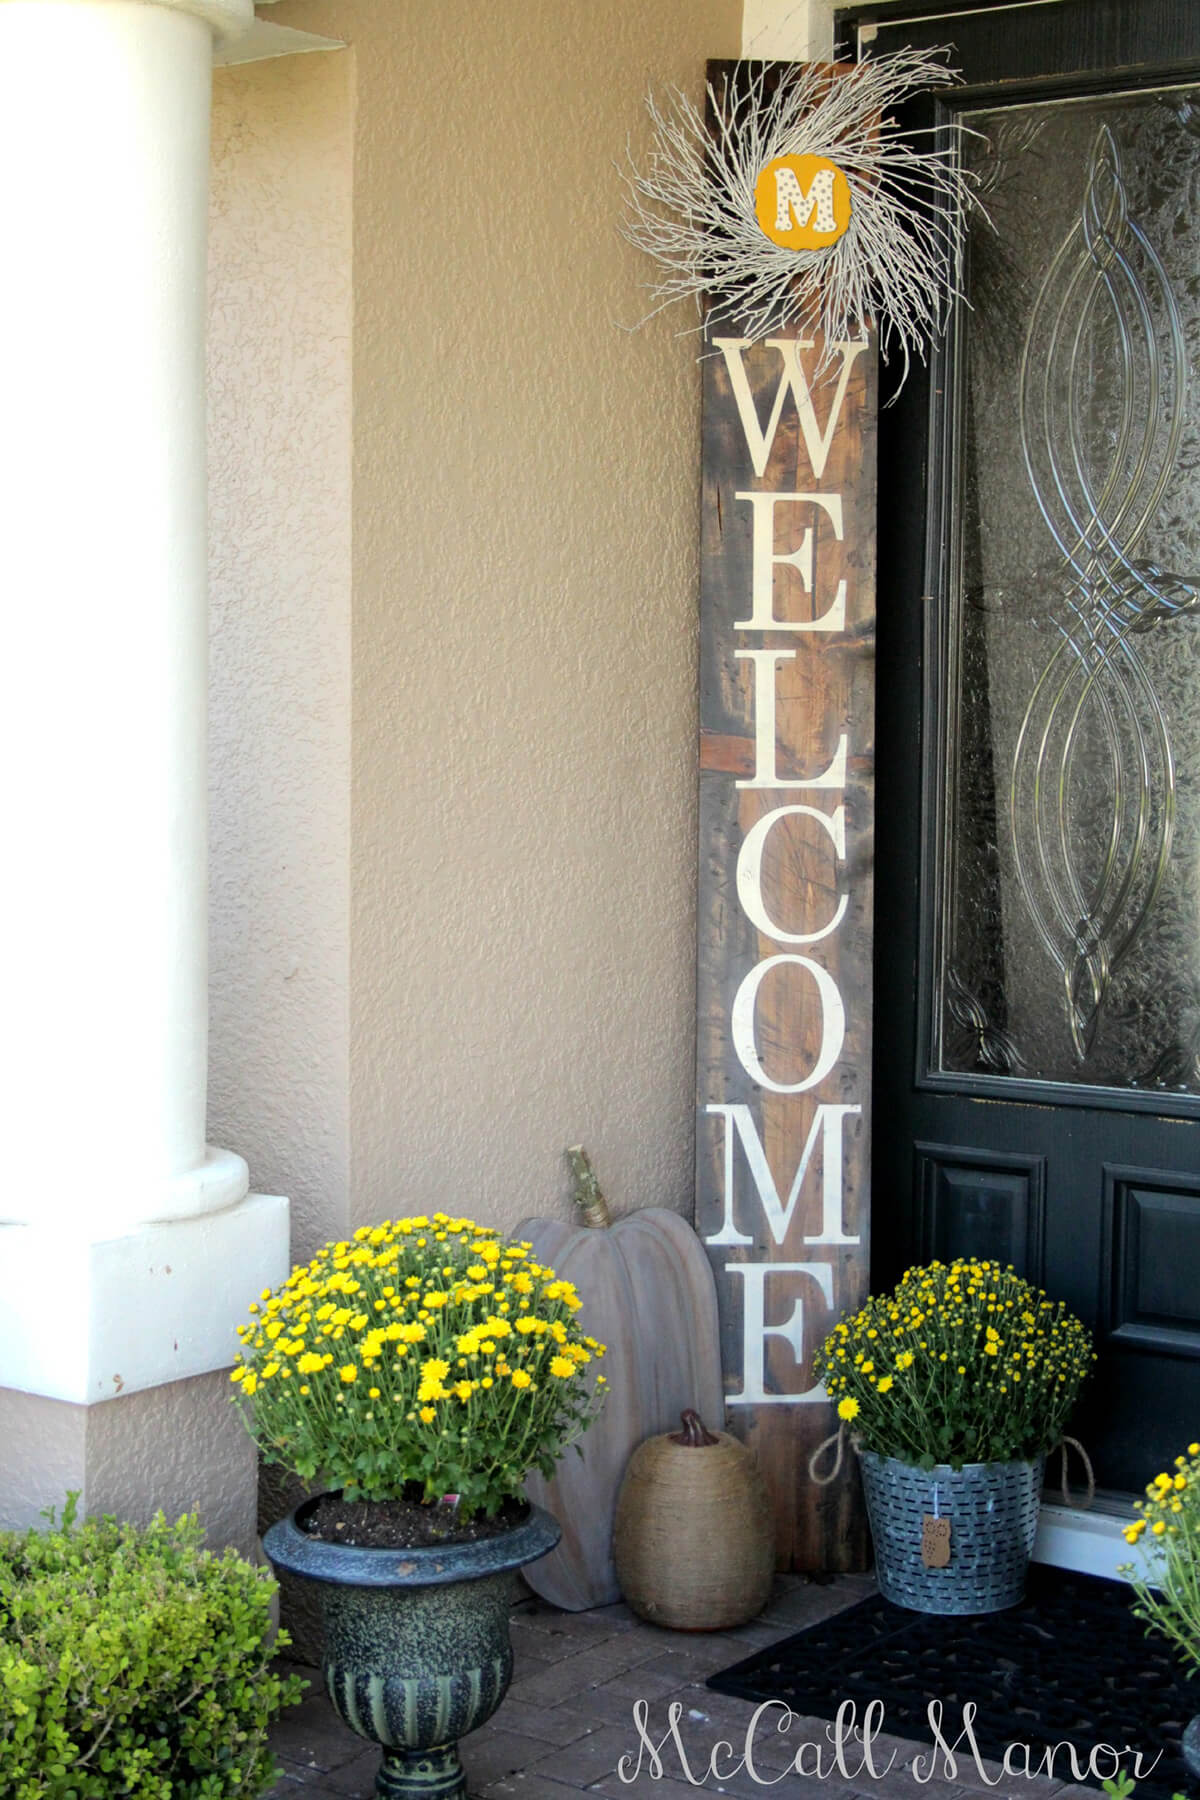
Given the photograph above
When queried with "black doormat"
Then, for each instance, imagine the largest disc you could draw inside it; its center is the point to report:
(1071, 1665)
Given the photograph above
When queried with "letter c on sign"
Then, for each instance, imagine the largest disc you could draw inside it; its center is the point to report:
(749, 872)
(833, 1024)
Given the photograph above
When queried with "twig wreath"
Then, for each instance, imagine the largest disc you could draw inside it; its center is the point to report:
(806, 202)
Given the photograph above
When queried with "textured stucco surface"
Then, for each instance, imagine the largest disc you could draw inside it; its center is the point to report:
(179, 1447)
(525, 523)
(44, 1456)
(280, 525)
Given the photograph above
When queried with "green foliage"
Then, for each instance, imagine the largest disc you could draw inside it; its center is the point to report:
(134, 1665)
(1167, 1580)
(962, 1363)
(1124, 1786)
(423, 1351)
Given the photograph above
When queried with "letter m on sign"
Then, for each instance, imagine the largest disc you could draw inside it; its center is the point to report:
(808, 208)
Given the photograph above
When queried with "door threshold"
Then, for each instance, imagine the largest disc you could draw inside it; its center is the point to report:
(1091, 1542)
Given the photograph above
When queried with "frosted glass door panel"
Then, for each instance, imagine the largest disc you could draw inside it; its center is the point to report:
(1068, 857)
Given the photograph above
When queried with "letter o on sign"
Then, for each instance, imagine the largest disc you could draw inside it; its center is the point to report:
(833, 1024)
(802, 202)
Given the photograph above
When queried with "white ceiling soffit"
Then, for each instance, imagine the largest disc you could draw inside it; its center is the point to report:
(263, 40)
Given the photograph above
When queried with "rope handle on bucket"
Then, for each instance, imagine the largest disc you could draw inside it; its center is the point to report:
(837, 1437)
(837, 1441)
(1066, 1445)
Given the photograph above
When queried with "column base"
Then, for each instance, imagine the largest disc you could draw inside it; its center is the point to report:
(181, 1447)
(157, 1304)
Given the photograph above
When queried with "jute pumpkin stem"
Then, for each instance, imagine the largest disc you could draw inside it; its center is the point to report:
(593, 1207)
(695, 1435)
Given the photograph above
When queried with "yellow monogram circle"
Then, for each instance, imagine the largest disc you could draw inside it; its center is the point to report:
(802, 202)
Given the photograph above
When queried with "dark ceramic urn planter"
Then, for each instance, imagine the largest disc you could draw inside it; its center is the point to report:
(1191, 1747)
(417, 1651)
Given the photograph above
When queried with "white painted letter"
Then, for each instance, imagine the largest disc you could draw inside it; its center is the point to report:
(764, 562)
(794, 202)
(755, 1330)
(827, 1125)
(749, 872)
(760, 442)
(764, 728)
(833, 1024)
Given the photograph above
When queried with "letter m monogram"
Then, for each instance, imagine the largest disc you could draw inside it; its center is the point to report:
(812, 209)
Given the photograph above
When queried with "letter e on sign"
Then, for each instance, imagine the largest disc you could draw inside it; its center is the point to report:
(802, 202)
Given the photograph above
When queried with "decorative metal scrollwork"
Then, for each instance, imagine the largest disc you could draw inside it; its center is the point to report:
(1092, 834)
(980, 1041)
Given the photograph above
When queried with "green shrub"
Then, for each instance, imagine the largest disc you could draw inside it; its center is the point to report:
(134, 1665)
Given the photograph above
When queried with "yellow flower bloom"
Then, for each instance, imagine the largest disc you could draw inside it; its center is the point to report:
(348, 1373)
(848, 1408)
(562, 1366)
(428, 1414)
(521, 1378)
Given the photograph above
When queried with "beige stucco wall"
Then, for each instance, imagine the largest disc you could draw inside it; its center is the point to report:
(279, 427)
(180, 1447)
(525, 518)
(510, 853)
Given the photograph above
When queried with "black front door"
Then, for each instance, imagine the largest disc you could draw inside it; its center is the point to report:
(1037, 1019)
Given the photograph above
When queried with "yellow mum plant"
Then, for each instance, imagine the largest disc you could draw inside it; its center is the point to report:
(963, 1363)
(1167, 1582)
(422, 1351)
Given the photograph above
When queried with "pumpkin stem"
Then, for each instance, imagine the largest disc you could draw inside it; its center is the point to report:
(694, 1435)
(593, 1207)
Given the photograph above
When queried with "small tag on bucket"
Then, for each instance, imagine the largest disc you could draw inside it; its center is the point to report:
(935, 1542)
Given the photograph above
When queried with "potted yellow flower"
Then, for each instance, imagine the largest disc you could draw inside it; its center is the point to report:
(418, 1371)
(1167, 1580)
(955, 1386)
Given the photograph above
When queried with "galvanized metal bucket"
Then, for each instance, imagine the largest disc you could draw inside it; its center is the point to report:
(993, 1514)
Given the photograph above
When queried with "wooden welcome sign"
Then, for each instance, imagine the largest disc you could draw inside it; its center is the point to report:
(785, 904)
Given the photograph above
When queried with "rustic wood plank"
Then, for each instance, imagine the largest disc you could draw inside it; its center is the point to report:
(824, 692)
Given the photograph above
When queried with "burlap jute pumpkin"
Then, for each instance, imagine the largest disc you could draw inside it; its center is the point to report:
(694, 1540)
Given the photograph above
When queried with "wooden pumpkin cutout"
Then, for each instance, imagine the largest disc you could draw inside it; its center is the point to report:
(647, 1293)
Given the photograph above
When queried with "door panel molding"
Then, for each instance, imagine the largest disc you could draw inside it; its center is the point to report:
(1149, 1299)
(972, 1202)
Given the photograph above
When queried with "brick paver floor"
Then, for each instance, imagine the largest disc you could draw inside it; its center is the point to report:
(567, 1720)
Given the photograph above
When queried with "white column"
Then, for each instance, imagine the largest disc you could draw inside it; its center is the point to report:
(110, 1195)
(104, 152)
